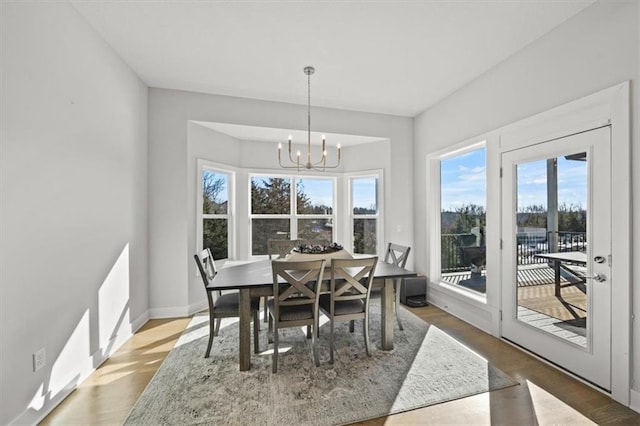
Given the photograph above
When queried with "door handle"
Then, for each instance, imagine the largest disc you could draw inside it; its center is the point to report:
(598, 277)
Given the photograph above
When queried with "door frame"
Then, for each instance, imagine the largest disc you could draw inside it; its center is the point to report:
(607, 107)
(586, 361)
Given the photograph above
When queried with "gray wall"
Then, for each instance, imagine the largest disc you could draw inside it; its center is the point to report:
(596, 49)
(74, 268)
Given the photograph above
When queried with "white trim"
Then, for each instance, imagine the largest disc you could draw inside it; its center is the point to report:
(609, 106)
(197, 306)
(462, 307)
(293, 215)
(433, 198)
(634, 400)
(139, 322)
(95, 360)
(203, 164)
(380, 235)
(169, 312)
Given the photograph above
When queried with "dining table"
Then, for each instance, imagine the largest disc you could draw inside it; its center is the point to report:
(255, 279)
(557, 258)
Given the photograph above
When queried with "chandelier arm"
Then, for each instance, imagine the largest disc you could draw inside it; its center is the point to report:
(320, 165)
(293, 165)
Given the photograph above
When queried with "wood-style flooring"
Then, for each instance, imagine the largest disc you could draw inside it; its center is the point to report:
(544, 396)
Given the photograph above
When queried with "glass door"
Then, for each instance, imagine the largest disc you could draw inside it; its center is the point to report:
(556, 242)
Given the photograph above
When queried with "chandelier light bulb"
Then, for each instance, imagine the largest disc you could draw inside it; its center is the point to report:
(320, 165)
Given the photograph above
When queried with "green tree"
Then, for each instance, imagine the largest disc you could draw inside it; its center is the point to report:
(572, 218)
(469, 216)
(214, 231)
(532, 216)
(269, 196)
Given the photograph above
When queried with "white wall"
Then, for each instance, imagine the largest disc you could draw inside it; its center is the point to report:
(596, 49)
(74, 269)
(171, 244)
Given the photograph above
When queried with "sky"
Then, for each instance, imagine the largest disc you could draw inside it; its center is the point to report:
(572, 183)
(463, 180)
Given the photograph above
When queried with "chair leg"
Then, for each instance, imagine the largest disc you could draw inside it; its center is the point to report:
(365, 324)
(308, 332)
(314, 343)
(331, 347)
(211, 333)
(256, 332)
(274, 362)
(270, 332)
(266, 313)
(218, 322)
(352, 326)
(397, 285)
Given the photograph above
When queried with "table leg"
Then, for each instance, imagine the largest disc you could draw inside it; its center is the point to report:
(245, 330)
(556, 268)
(387, 315)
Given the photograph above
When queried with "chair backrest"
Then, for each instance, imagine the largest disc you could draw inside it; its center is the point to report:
(277, 249)
(206, 266)
(397, 254)
(351, 278)
(302, 283)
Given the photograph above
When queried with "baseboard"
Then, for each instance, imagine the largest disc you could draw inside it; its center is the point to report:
(34, 416)
(139, 322)
(634, 400)
(178, 311)
(479, 316)
(172, 312)
(198, 306)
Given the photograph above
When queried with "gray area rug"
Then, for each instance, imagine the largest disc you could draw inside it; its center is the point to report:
(426, 367)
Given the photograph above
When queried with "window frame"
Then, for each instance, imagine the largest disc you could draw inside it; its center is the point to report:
(293, 214)
(230, 216)
(349, 177)
(434, 209)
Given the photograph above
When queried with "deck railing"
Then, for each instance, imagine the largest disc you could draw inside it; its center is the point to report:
(528, 245)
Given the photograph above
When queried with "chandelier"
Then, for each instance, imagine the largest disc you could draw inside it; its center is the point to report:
(320, 165)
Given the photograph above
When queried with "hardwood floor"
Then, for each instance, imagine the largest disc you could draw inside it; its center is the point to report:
(544, 396)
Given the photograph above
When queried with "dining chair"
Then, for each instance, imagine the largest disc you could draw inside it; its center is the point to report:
(278, 249)
(350, 292)
(222, 305)
(295, 301)
(397, 255)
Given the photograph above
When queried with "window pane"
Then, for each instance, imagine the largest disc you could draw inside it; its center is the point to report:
(463, 197)
(270, 195)
(315, 229)
(215, 192)
(215, 237)
(263, 230)
(315, 196)
(364, 236)
(365, 195)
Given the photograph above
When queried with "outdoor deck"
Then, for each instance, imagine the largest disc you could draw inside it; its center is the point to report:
(538, 306)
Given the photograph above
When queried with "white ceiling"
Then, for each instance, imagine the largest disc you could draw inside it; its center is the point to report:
(395, 57)
(271, 134)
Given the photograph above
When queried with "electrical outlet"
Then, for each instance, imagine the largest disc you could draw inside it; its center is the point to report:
(39, 359)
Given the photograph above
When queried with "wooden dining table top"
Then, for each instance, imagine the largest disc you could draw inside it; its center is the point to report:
(259, 273)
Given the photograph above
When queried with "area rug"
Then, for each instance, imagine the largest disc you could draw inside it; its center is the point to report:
(426, 367)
